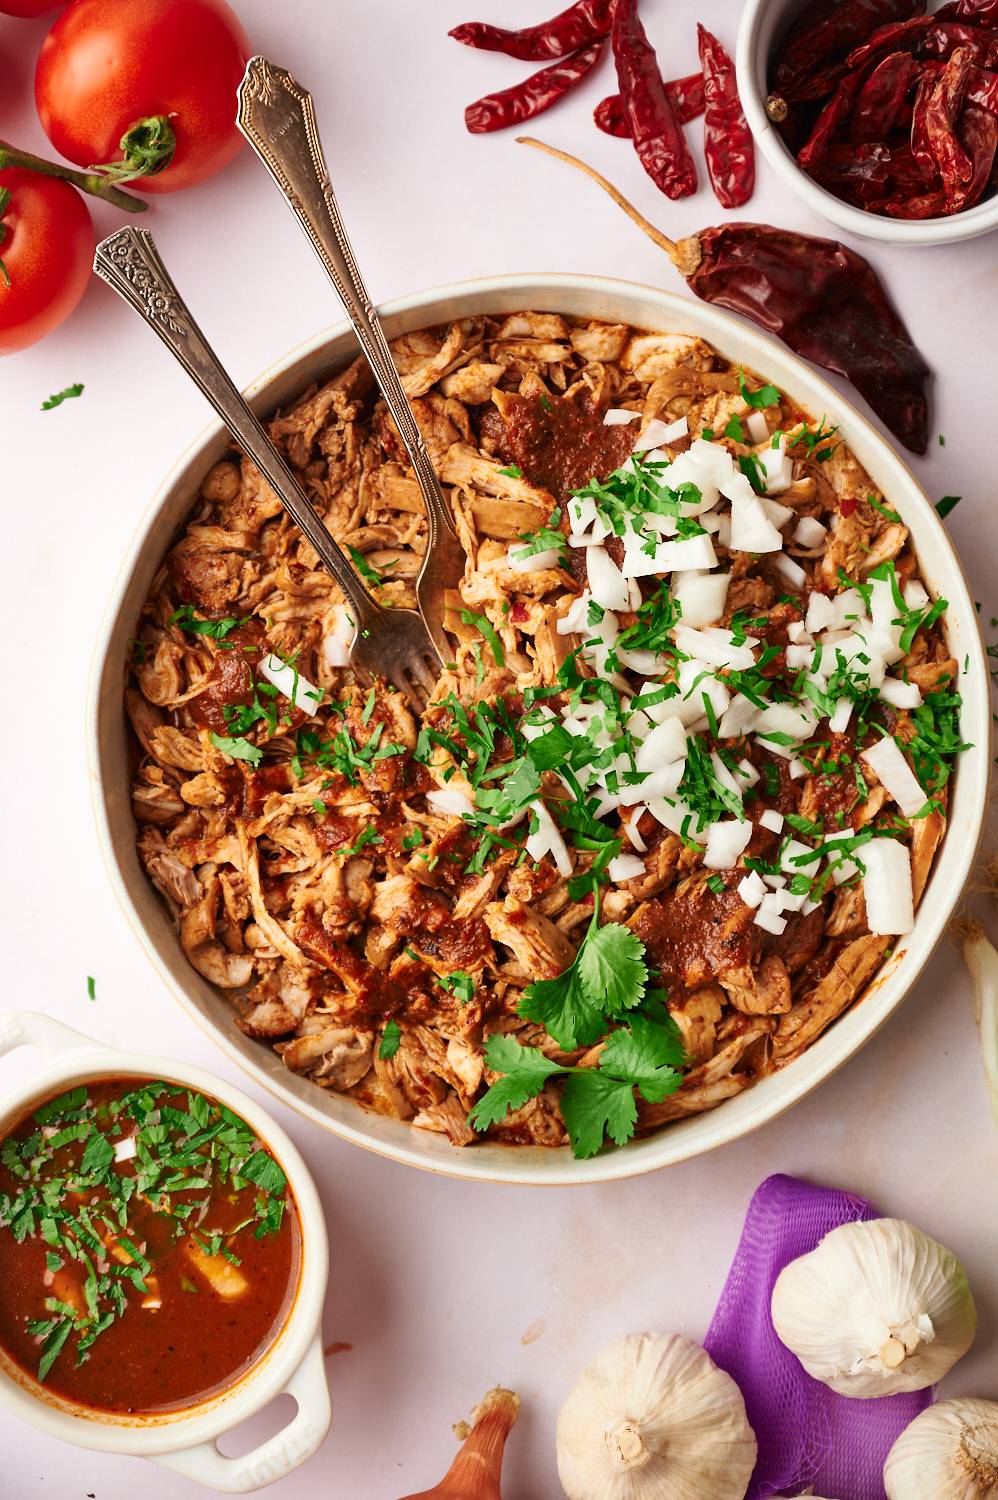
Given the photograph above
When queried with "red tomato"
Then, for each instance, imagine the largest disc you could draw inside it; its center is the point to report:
(107, 64)
(24, 8)
(47, 249)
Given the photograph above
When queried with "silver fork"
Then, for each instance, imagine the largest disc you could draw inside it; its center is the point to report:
(389, 643)
(277, 117)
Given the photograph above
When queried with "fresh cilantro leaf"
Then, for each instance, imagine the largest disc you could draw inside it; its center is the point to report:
(767, 395)
(488, 630)
(459, 984)
(262, 1169)
(98, 1154)
(53, 1343)
(525, 1071)
(363, 567)
(947, 503)
(67, 394)
(239, 748)
(889, 515)
(612, 967)
(512, 471)
(647, 1053)
(735, 429)
(216, 629)
(592, 1105)
(391, 1040)
(564, 1008)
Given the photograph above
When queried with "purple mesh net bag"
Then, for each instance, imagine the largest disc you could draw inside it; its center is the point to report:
(808, 1436)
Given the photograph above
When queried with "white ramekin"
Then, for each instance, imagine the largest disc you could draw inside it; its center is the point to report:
(617, 302)
(186, 1440)
(762, 23)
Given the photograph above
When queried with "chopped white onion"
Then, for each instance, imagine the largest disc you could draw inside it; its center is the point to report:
(724, 775)
(665, 743)
(751, 528)
(338, 640)
(897, 778)
(747, 771)
(608, 584)
(738, 718)
(838, 720)
(630, 827)
(701, 596)
(772, 820)
(914, 595)
(625, 867)
(522, 560)
(617, 417)
(720, 648)
(758, 426)
(548, 840)
(778, 467)
(783, 718)
(900, 694)
(451, 801)
(124, 1150)
(752, 889)
(289, 681)
(810, 532)
(791, 571)
(726, 842)
(821, 613)
(768, 917)
(777, 513)
(887, 887)
(658, 432)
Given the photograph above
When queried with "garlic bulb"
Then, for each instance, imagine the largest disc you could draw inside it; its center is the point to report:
(653, 1418)
(950, 1452)
(877, 1308)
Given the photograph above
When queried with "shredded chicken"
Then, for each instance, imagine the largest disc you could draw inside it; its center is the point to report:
(313, 879)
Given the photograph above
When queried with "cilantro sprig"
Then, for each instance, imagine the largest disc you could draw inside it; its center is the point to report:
(645, 1054)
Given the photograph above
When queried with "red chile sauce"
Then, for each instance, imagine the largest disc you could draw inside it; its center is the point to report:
(216, 1291)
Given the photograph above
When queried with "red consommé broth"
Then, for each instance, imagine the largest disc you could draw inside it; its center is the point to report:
(150, 1245)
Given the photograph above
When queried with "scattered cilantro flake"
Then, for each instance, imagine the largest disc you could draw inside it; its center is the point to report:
(238, 748)
(391, 1040)
(68, 393)
(947, 503)
(512, 471)
(360, 562)
(484, 625)
(91, 987)
(216, 629)
(767, 395)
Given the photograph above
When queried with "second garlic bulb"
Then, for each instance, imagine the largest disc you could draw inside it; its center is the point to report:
(653, 1418)
(877, 1308)
(949, 1452)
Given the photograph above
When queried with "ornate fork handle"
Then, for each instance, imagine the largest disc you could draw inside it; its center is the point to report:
(277, 117)
(130, 263)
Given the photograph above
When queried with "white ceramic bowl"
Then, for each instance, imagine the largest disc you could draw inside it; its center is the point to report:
(185, 1440)
(644, 307)
(763, 23)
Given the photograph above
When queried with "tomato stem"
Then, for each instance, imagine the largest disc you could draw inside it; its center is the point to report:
(88, 182)
(147, 146)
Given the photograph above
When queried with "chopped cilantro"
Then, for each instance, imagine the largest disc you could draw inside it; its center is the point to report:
(767, 395)
(483, 624)
(364, 568)
(947, 503)
(67, 394)
(91, 987)
(238, 748)
(216, 629)
(511, 471)
(391, 1040)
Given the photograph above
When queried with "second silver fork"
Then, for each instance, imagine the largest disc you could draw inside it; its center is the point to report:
(277, 117)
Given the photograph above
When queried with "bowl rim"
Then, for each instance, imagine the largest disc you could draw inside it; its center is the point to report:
(944, 230)
(69, 1056)
(523, 1166)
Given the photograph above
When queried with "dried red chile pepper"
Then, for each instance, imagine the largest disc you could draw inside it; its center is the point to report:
(686, 96)
(728, 142)
(827, 28)
(905, 86)
(822, 299)
(881, 99)
(586, 21)
(524, 100)
(654, 127)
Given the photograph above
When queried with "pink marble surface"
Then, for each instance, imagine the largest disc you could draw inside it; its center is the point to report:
(442, 1288)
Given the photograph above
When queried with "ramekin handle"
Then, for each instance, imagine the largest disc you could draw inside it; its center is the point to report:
(280, 1455)
(29, 1028)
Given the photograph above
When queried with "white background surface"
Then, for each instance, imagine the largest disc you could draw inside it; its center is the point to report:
(442, 1288)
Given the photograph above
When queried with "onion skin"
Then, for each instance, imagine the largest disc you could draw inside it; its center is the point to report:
(476, 1471)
